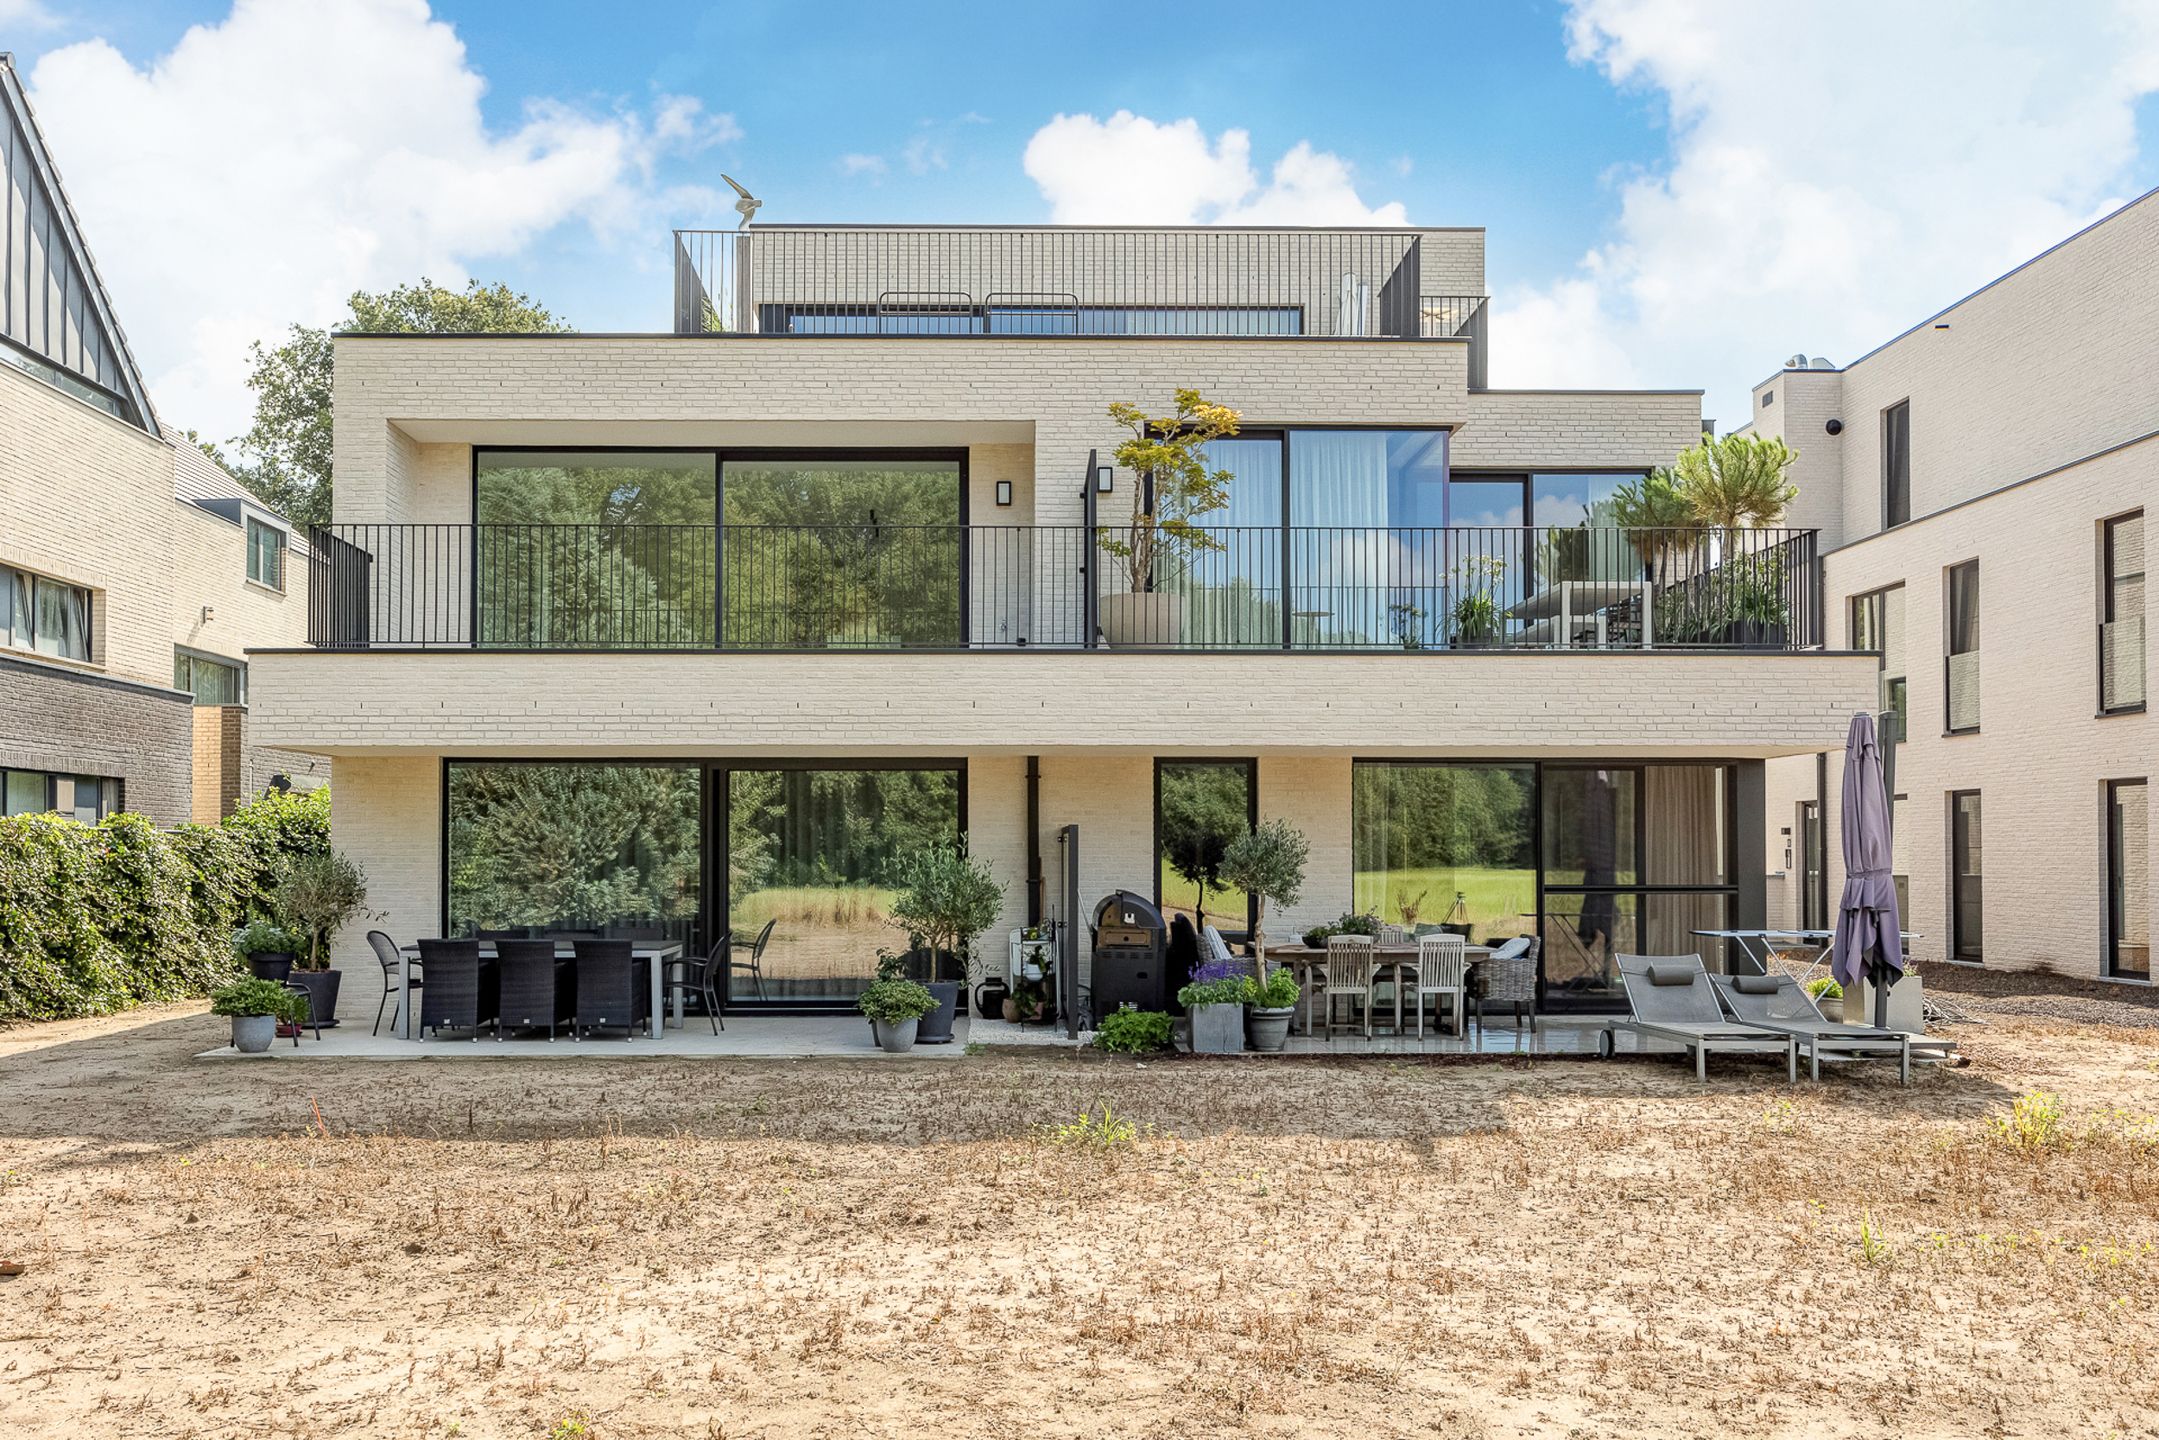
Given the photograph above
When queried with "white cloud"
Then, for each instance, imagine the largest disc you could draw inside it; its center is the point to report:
(1131, 170)
(271, 163)
(923, 154)
(26, 15)
(859, 164)
(1830, 181)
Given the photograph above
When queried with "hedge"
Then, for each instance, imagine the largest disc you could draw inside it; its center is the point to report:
(97, 918)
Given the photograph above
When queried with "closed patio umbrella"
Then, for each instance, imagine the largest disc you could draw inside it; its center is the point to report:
(1870, 932)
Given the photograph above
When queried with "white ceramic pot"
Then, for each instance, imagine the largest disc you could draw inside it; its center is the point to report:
(1152, 619)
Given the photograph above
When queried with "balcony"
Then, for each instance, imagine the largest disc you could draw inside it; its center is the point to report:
(1190, 283)
(882, 587)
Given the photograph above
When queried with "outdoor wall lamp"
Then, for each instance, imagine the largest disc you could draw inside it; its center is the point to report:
(1004, 492)
(1105, 479)
(1835, 427)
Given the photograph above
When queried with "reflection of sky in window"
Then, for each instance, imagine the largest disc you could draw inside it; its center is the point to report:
(1485, 503)
(1574, 499)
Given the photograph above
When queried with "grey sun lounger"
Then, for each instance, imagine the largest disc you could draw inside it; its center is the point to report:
(1671, 1000)
(1777, 1003)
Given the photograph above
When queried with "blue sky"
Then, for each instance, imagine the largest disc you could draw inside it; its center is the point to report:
(1676, 192)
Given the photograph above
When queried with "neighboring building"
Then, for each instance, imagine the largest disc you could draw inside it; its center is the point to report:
(700, 631)
(134, 573)
(1982, 484)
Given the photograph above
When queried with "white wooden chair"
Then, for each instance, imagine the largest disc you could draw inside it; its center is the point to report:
(1442, 972)
(1349, 972)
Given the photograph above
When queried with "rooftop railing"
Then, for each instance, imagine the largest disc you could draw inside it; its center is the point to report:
(966, 587)
(1200, 282)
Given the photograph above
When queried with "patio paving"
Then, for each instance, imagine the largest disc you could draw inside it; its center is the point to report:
(763, 1037)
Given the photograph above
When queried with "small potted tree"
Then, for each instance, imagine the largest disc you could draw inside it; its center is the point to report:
(255, 1007)
(267, 949)
(1268, 865)
(949, 899)
(1475, 611)
(895, 1008)
(317, 893)
(1269, 1006)
(1175, 487)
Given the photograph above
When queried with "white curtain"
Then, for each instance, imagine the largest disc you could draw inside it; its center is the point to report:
(1342, 575)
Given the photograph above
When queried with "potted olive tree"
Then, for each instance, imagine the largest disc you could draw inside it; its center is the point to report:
(1268, 865)
(1167, 454)
(255, 1008)
(318, 893)
(895, 1008)
(267, 949)
(949, 899)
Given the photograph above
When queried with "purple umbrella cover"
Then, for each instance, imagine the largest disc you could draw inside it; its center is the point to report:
(1868, 925)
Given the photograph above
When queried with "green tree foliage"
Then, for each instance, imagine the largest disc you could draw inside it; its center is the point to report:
(1735, 480)
(1173, 450)
(947, 897)
(1267, 864)
(285, 455)
(98, 918)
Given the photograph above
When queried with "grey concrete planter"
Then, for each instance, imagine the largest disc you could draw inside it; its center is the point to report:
(321, 987)
(1217, 1029)
(1267, 1027)
(252, 1034)
(895, 1038)
(935, 1028)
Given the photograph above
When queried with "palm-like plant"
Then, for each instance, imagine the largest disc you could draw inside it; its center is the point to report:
(1649, 509)
(1737, 480)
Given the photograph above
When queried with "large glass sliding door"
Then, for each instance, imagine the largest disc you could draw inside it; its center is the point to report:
(1437, 843)
(574, 848)
(1200, 806)
(815, 853)
(830, 551)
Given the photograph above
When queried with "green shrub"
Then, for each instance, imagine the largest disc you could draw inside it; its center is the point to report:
(258, 997)
(1228, 991)
(1824, 988)
(97, 918)
(894, 1002)
(267, 937)
(1133, 1032)
(1279, 991)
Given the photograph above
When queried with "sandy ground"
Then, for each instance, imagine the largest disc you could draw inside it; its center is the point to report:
(1384, 1247)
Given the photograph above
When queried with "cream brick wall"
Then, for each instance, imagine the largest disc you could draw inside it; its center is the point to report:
(405, 403)
(1677, 703)
(387, 815)
(2048, 365)
(210, 569)
(88, 499)
(2041, 753)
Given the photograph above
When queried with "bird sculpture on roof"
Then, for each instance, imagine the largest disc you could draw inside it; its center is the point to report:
(746, 207)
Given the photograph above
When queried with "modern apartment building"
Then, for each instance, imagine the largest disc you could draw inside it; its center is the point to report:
(134, 572)
(1981, 484)
(694, 632)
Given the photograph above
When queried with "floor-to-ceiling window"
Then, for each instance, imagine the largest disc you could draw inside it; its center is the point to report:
(825, 550)
(1967, 933)
(573, 848)
(1233, 584)
(1813, 900)
(1637, 858)
(2128, 842)
(815, 851)
(1435, 843)
(590, 549)
(1200, 806)
(1368, 560)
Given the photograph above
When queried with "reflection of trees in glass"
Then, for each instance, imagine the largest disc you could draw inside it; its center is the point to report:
(1203, 808)
(595, 550)
(573, 846)
(841, 552)
(1420, 834)
(834, 827)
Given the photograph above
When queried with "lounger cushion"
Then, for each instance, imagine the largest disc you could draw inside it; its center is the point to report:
(1755, 984)
(1671, 975)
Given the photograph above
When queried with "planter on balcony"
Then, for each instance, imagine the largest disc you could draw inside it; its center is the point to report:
(1143, 620)
(1755, 634)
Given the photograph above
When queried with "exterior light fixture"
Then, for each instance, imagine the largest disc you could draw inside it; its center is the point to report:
(1835, 427)
(1105, 479)
(1004, 492)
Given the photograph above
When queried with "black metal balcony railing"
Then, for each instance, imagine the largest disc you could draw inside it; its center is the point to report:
(952, 587)
(916, 281)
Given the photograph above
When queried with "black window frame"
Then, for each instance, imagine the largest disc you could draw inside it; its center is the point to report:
(2107, 615)
(52, 779)
(204, 657)
(38, 581)
(250, 526)
(1813, 868)
(2116, 887)
(1897, 464)
(1250, 764)
(1966, 862)
(1884, 682)
(1959, 629)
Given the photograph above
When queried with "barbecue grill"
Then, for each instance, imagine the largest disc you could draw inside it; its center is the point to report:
(1129, 942)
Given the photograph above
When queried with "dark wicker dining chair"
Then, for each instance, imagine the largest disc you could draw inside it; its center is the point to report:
(607, 990)
(386, 956)
(451, 998)
(525, 986)
(706, 977)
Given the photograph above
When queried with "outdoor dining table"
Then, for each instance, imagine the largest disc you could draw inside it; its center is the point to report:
(657, 956)
(1308, 958)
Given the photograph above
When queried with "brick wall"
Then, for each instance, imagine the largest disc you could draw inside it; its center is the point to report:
(64, 721)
